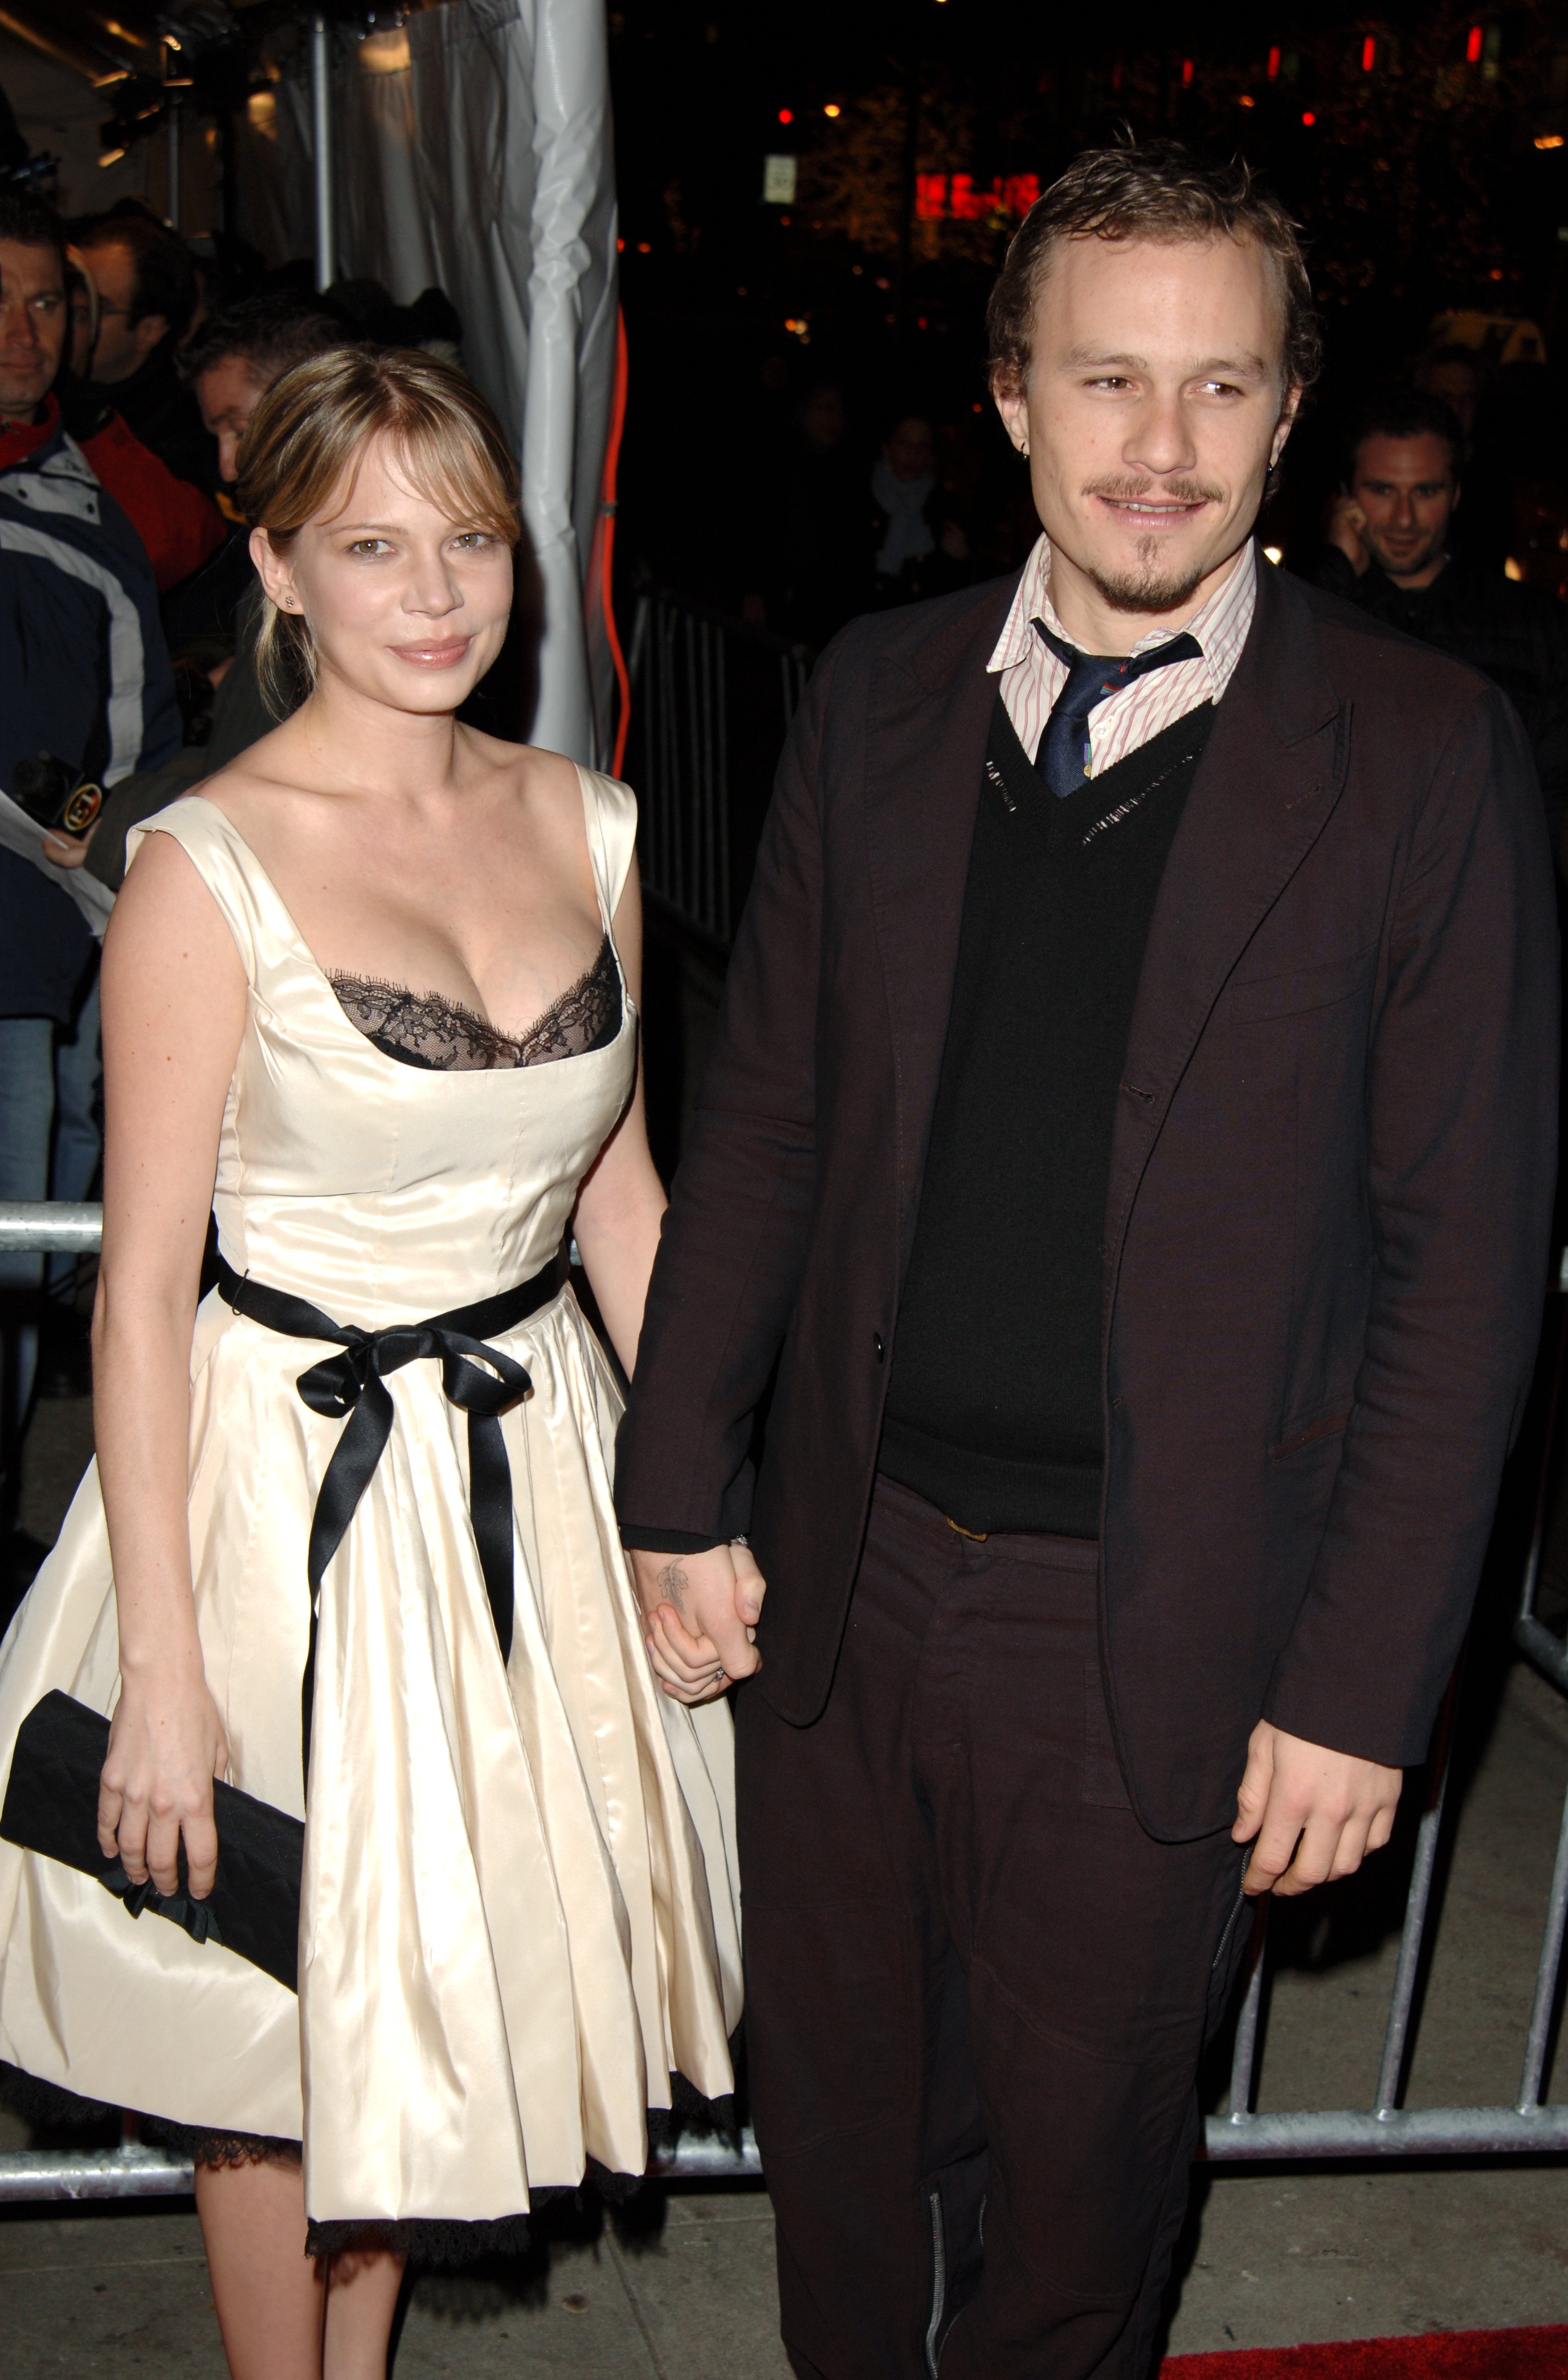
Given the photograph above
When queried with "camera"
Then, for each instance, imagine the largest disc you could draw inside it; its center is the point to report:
(56, 794)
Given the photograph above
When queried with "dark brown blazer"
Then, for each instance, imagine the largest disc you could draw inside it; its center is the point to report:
(1330, 1188)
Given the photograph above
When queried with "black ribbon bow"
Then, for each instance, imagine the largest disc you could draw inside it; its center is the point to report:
(195, 1916)
(353, 1385)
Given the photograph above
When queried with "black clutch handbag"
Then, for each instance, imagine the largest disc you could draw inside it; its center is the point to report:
(51, 1807)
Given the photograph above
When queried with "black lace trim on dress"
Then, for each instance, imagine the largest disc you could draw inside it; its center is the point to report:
(424, 1028)
(204, 2146)
(49, 2106)
(427, 2242)
(422, 2239)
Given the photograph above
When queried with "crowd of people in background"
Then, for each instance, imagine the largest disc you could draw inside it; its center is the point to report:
(1403, 503)
(129, 366)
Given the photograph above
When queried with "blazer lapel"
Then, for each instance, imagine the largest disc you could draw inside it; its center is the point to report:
(928, 717)
(1267, 784)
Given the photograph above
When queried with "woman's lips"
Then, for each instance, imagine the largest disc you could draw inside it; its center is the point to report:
(444, 654)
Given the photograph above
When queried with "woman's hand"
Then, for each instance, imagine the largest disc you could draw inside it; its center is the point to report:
(166, 1743)
(699, 1614)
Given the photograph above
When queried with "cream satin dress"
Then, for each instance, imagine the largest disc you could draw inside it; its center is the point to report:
(519, 1912)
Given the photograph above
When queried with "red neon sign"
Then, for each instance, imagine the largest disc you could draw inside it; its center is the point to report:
(953, 198)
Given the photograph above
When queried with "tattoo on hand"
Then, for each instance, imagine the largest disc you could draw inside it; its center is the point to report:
(672, 1583)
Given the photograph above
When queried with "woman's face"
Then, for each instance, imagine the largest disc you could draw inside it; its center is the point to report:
(911, 450)
(407, 604)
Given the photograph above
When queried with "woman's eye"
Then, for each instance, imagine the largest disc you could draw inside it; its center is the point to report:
(369, 545)
(471, 541)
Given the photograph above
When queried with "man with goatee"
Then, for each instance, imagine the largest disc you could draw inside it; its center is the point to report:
(1128, 1150)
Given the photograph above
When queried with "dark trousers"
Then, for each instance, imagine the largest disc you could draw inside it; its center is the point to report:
(977, 1991)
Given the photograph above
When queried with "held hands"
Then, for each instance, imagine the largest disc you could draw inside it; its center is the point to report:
(1310, 1814)
(699, 1615)
(166, 1743)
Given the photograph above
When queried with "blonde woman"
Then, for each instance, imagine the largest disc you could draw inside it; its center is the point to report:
(349, 1543)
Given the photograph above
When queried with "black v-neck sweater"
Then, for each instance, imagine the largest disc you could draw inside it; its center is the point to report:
(994, 1404)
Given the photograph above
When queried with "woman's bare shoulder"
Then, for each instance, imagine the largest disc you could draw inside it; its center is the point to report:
(260, 771)
(168, 901)
(542, 790)
(527, 768)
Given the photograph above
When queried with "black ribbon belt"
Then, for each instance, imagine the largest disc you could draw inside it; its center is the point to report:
(354, 1384)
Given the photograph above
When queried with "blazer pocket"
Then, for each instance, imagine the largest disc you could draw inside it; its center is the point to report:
(1297, 991)
(1330, 1423)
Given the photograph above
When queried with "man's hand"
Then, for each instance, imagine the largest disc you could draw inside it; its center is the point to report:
(1343, 527)
(699, 1614)
(1315, 1814)
(68, 850)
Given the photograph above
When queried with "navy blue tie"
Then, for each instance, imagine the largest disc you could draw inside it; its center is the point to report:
(1062, 758)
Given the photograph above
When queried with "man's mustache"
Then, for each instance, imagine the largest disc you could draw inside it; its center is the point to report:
(1181, 492)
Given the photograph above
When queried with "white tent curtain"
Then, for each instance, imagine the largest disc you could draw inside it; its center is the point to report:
(471, 150)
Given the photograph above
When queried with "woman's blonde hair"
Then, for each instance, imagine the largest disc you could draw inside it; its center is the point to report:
(310, 430)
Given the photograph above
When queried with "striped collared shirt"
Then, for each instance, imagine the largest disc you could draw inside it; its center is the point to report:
(1032, 676)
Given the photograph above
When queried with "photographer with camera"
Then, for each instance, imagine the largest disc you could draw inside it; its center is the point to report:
(90, 697)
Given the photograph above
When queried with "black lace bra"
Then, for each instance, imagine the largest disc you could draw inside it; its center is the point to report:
(424, 1029)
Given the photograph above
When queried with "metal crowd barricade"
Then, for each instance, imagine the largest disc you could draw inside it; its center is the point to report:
(1386, 2129)
(712, 699)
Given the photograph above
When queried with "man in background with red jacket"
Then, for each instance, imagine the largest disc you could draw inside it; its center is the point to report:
(178, 525)
(87, 681)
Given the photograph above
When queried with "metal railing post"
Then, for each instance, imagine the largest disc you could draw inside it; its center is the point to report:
(1545, 1978)
(1244, 2058)
(171, 127)
(1392, 2070)
(321, 147)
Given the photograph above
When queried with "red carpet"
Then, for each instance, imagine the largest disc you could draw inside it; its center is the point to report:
(1441, 2355)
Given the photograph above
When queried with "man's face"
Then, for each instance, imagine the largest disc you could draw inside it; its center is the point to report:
(1406, 490)
(120, 349)
(34, 319)
(1153, 412)
(228, 393)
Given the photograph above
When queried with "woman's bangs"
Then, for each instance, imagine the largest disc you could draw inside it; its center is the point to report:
(449, 471)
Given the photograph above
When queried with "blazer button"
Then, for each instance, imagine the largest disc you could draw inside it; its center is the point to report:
(876, 1344)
